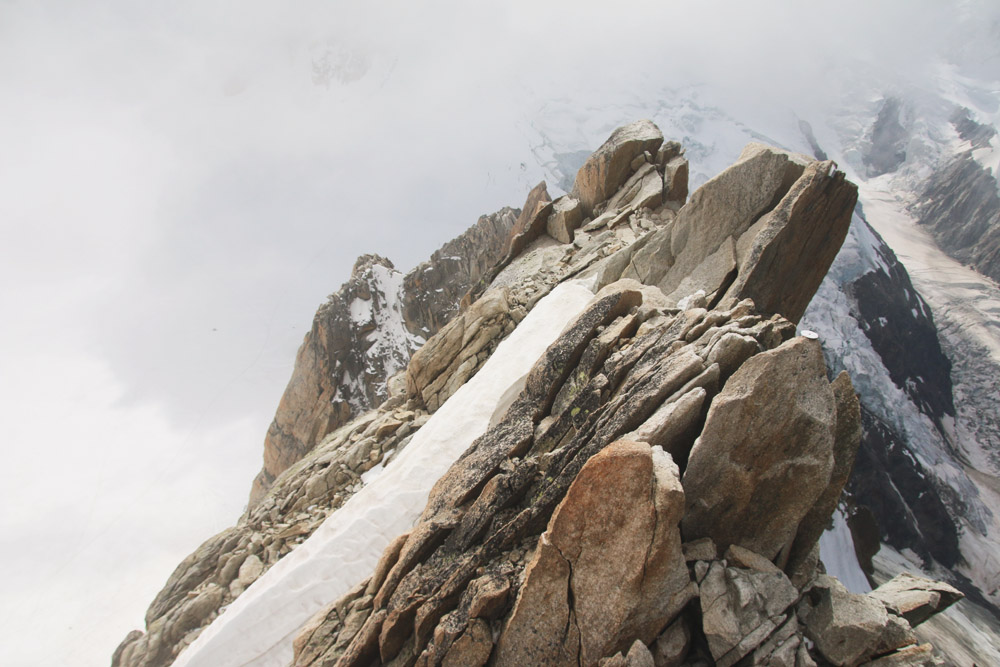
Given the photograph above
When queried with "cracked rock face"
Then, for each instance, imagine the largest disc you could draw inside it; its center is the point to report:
(616, 539)
(599, 514)
(775, 463)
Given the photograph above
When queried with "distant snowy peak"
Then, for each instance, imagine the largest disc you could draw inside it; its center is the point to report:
(384, 344)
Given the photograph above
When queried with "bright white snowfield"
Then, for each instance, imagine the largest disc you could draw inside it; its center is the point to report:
(258, 628)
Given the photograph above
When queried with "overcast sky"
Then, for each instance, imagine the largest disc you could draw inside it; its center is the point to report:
(182, 183)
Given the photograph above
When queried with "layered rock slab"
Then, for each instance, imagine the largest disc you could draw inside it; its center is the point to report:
(771, 220)
(541, 482)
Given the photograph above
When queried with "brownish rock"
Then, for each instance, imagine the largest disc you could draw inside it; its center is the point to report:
(472, 648)
(610, 166)
(447, 360)
(537, 198)
(542, 629)
(616, 532)
(530, 224)
(566, 216)
(795, 243)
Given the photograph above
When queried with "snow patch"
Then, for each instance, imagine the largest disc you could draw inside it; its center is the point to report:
(988, 157)
(361, 311)
(686, 302)
(391, 342)
(258, 627)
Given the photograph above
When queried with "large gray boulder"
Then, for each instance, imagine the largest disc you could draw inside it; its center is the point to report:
(849, 628)
(741, 608)
(846, 439)
(755, 472)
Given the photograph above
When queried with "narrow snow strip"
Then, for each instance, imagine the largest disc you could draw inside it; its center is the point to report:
(836, 550)
(258, 627)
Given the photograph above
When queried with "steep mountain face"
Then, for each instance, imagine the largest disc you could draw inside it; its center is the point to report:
(961, 208)
(365, 333)
(611, 501)
(869, 292)
(909, 483)
(433, 291)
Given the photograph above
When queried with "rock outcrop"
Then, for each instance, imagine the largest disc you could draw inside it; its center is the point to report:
(433, 290)
(610, 166)
(733, 240)
(650, 493)
(581, 528)
(365, 333)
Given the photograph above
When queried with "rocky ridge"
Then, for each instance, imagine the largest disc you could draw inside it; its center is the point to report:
(651, 397)
(288, 509)
(365, 333)
(960, 206)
